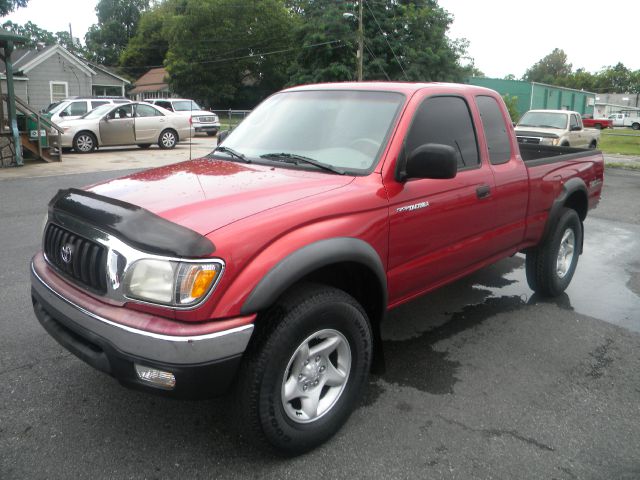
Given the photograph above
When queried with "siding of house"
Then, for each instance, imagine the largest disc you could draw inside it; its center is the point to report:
(105, 84)
(56, 69)
(20, 87)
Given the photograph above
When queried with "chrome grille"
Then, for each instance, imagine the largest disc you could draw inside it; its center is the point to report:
(533, 140)
(76, 257)
(206, 119)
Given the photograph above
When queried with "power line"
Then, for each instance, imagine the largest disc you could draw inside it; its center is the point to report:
(376, 58)
(386, 40)
(253, 55)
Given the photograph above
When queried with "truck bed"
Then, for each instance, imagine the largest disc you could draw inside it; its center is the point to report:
(533, 155)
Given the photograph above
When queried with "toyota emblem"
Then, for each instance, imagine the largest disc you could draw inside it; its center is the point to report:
(66, 252)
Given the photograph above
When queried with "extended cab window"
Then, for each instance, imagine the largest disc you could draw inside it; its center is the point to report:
(574, 122)
(445, 120)
(495, 130)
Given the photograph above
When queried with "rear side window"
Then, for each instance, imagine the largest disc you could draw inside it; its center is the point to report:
(97, 103)
(445, 120)
(76, 108)
(166, 105)
(495, 130)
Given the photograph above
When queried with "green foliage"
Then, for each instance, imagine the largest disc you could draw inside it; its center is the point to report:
(31, 31)
(117, 23)
(8, 6)
(555, 70)
(550, 68)
(404, 40)
(38, 35)
(512, 106)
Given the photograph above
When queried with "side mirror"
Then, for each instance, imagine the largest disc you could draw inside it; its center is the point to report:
(223, 135)
(432, 160)
(576, 128)
(63, 114)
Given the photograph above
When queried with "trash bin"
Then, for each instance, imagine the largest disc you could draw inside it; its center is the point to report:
(32, 128)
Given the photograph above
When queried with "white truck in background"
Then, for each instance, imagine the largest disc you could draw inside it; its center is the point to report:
(556, 127)
(625, 120)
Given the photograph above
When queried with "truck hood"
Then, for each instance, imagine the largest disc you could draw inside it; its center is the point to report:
(205, 195)
(540, 132)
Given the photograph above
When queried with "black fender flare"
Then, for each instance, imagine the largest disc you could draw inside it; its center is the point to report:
(569, 188)
(307, 259)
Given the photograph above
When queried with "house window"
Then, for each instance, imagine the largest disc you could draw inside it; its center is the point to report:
(59, 91)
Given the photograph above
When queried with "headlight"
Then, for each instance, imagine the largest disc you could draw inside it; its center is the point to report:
(556, 141)
(178, 284)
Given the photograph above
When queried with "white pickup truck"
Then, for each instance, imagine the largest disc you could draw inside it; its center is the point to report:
(625, 120)
(556, 127)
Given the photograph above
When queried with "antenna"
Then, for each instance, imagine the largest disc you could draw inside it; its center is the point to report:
(191, 125)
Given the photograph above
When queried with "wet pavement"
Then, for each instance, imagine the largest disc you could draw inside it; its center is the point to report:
(484, 379)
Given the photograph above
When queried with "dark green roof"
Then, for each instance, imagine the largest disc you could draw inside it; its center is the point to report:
(7, 36)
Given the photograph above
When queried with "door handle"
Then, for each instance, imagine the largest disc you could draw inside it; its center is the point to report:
(483, 191)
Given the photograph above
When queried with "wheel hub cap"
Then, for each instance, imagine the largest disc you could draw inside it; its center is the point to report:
(316, 376)
(565, 253)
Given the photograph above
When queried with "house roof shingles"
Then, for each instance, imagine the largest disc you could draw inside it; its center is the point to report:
(152, 81)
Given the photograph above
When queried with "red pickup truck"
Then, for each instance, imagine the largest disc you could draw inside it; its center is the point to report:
(589, 122)
(267, 266)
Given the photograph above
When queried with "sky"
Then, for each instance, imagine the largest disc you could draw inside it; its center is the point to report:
(506, 36)
(510, 36)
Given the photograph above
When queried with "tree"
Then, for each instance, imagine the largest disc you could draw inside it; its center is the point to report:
(32, 32)
(404, 40)
(222, 53)
(550, 69)
(117, 23)
(8, 6)
(512, 106)
(149, 46)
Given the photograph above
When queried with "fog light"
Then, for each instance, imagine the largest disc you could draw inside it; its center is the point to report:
(157, 377)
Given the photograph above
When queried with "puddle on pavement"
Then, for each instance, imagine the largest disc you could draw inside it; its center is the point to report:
(606, 286)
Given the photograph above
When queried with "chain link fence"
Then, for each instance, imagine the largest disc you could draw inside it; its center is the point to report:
(230, 118)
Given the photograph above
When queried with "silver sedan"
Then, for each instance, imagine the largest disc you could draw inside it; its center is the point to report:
(135, 123)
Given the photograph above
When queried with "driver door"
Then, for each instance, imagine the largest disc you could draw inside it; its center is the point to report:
(117, 127)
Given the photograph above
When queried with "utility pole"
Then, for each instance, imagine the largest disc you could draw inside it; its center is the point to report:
(360, 41)
(71, 37)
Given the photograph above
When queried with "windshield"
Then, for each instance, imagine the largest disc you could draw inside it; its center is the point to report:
(98, 112)
(344, 129)
(544, 120)
(185, 106)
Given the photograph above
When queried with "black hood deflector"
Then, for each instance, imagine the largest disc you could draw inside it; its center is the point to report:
(133, 225)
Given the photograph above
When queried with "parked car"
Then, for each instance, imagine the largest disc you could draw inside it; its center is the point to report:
(203, 121)
(72, 108)
(625, 120)
(270, 263)
(597, 123)
(136, 123)
(555, 127)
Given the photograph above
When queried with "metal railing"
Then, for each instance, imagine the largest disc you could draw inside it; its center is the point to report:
(230, 118)
(40, 121)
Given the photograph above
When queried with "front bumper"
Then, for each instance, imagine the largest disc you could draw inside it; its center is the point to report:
(203, 365)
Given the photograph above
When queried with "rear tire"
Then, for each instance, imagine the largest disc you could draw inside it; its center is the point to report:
(550, 266)
(593, 145)
(213, 133)
(289, 397)
(85, 142)
(598, 126)
(635, 126)
(168, 139)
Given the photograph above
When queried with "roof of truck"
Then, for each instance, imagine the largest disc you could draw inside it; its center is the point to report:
(402, 87)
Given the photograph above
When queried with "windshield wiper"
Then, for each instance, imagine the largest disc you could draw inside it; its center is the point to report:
(295, 158)
(232, 152)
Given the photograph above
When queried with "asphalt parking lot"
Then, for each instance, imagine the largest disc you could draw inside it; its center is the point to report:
(484, 380)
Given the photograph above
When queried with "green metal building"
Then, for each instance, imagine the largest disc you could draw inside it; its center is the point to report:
(535, 96)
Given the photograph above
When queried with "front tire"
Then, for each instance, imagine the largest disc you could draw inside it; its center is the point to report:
(84, 142)
(305, 369)
(168, 139)
(635, 126)
(550, 266)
